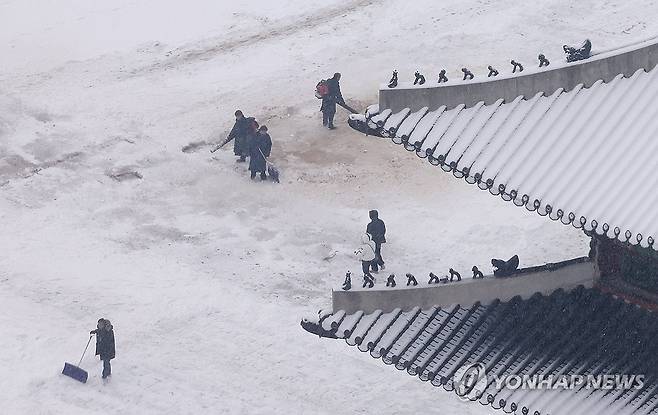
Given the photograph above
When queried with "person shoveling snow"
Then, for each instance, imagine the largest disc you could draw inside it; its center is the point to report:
(105, 344)
(242, 129)
(260, 146)
(104, 349)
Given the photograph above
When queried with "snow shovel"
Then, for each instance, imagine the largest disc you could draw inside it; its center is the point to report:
(76, 372)
(347, 107)
(217, 147)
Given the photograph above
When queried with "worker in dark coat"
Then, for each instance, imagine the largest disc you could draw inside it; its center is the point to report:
(240, 133)
(377, 231)
(105, 344)
(260, 146)
(329, 101)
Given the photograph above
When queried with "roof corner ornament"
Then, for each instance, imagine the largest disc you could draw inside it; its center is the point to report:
(394, 80)
(347, 285)
(390, 281)
(442, 76)
(434, 279)
(477, 274)
(516, 65)
(411, 280)
(420, 79)
(468, 75)
(578, 54)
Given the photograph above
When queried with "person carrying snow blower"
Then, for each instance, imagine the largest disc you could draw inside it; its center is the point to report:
(366, 253)
(329, 100)
(105, 344)
(240, 133)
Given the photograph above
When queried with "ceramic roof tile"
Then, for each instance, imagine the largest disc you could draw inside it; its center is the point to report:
(586, 156)
(580, 332)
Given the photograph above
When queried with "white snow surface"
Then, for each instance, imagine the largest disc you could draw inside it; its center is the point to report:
(204, 274)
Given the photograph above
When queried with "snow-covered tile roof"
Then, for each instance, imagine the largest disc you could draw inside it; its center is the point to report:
(582, 332)
(586, 157)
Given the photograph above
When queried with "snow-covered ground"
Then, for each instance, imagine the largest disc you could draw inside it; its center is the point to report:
(204, 274)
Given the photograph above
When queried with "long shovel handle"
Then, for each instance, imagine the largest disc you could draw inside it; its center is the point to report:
(347, 107)
(266, 160)
(83, 353)
(217, 147)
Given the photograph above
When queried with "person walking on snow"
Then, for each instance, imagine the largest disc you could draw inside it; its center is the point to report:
(366, 253)
(260, 146)
(240, 133)
(329, 101)
(104, 344)
(377, 231)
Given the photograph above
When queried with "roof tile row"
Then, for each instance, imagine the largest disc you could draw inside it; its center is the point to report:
(583, 332)
(586, 157)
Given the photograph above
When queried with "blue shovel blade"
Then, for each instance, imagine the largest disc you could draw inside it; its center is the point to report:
(75, 372)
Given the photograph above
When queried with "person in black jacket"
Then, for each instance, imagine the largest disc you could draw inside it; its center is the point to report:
(105, 344)
(377, 231)
(329, 101)
(240, 133)
(260, 146)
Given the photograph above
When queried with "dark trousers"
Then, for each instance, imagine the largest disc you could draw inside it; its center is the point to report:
(107, 369)
(365, 266)
(368, 279)
(378, 261)
(328, 118)
(240, 147)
